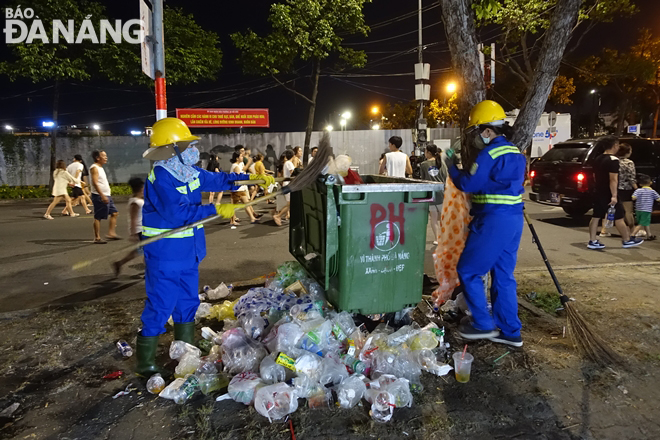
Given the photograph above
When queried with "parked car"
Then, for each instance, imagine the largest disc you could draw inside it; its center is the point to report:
(564, 175)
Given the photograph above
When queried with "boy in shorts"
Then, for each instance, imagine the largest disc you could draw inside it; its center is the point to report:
(644, 197)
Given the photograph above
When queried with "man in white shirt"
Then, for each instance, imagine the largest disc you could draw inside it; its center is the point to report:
(396, 163)
(104, 207)
(75, 169)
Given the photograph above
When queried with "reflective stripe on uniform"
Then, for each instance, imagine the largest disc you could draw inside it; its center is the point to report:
(182, 189)
(152, 176)
(194, 185)
(152, 232)
(506, 149)
(496, 199)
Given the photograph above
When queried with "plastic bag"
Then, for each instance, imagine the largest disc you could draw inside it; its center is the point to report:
(203, 311)
(451, 238)
(188, 364)
(309, 364)
(305, 386)
(243, 387)
(350, 391)
(253, 324)
(179, 348)
(271, 372)
(276, 401)
(241, 353)
(332, 372)
(172, 390)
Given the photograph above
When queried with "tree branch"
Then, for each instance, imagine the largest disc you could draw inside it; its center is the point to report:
(294, 91)
(526, 54)
(514, 66)
(590, 26)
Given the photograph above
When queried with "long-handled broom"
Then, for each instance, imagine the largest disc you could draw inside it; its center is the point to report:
(589, 343)
(308, 176)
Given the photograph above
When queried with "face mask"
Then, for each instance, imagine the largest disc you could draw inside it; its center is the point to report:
(485, 140)
(190, 156)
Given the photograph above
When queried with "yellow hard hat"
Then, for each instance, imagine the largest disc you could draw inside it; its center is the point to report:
(166, 133)
(486, 112)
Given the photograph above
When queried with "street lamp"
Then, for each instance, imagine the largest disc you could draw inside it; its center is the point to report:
(342, 123)
(375, 127)
(9, 128)
(328, 128)
(136, 132)
(97, 128)
(593, 91)
(375, 110)
(48, 124)
(451, 87)
(346, 115)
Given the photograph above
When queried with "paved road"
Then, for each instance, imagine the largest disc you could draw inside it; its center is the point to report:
(36, 255)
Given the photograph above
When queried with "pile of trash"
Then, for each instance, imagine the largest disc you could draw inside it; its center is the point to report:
(283, 342)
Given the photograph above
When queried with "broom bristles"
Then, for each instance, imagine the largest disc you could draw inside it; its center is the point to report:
(587, 340)
(313, 170)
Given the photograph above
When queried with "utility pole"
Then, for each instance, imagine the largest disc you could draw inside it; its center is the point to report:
(422, 90)
(159, 59)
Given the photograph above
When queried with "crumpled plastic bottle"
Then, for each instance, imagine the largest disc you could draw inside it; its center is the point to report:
(276, 401)
(253, 324)
(271, 372)
(187, 389)
(241, 353)
(403, 335)
(350, 391)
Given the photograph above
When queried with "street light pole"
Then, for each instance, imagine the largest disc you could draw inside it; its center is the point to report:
(594, 111)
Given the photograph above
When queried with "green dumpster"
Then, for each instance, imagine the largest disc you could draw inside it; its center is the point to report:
(365, 243)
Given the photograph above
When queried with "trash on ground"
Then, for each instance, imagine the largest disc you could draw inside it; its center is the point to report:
(282, 342)
(124, 349)
(11, 409)
(129, 388)
(114, 375)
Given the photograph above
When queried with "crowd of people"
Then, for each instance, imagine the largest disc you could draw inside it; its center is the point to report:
(619, 188)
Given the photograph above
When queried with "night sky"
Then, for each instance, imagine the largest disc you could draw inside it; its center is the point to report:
(390, 48)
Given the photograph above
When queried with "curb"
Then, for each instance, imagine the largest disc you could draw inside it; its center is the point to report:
(589, 266)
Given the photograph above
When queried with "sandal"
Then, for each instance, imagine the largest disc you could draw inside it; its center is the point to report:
(277, 219)
(48, 217)
(112, 237)
(652, 237)
(65, 214)
(99, 241)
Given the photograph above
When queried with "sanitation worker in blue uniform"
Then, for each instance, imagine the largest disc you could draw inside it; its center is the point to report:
(495, 181)
(173, 198)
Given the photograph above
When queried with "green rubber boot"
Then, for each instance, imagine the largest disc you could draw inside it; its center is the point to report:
(185, 331)
(145, 352)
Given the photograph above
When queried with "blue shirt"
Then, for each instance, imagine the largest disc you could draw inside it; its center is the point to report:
(495, 180)
(169, 204)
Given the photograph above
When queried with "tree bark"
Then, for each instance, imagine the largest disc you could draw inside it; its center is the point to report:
(460, 31)
(316, 73)
(557, 37)
(53, 133)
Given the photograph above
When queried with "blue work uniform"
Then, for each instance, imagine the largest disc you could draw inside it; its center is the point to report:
(496, 183)
(172, 263)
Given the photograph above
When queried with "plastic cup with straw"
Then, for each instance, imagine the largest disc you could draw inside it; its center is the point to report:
(462, 365)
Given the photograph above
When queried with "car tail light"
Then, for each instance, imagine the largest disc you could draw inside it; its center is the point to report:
(532, 174)
(581, 179)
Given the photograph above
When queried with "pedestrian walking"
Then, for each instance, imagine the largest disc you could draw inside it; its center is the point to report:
(297, 157)
(606, 178)
(61, 181)
(644, 198)
(287, 171)
(434, 169)
(240, 195)
(396, 163)
(495, 181)
(134, 208)
(76, 169)
(104, 206)
(214, 167)
(627, 185)
(172, 199)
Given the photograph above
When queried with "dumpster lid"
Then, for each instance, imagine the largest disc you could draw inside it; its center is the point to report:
(381, 184)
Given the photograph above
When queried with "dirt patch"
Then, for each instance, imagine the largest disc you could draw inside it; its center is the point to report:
(53, 360)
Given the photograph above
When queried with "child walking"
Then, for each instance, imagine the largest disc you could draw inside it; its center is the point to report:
(644, 198)
(135, 204)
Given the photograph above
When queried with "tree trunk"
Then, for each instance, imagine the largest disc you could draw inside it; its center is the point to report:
(316, 73)
(623, 111)
(557, 37)
(53, 133)
(460, 31)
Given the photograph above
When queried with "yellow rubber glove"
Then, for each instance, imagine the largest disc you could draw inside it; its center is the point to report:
(268, 179)
(226, 210)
